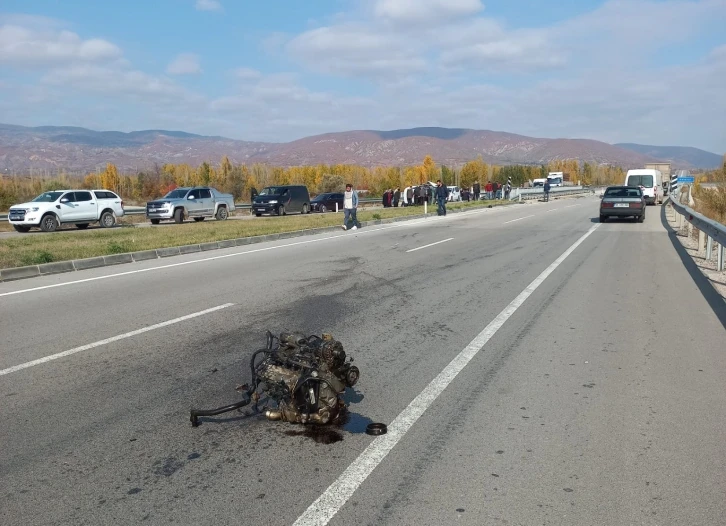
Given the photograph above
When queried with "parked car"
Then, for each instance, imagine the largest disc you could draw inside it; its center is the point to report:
(326, 202)
(58, 207)
(282, 200)
(198, 202)
(454, 193)
(623, 201)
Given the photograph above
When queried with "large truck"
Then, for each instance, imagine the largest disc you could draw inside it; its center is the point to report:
(556, 178)
(665, 172)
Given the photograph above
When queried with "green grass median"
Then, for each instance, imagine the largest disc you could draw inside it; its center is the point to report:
(34, 249)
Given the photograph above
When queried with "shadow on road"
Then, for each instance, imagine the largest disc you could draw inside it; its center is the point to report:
(713, 298)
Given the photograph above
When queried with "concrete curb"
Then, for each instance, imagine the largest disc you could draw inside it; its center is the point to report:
(32, 271)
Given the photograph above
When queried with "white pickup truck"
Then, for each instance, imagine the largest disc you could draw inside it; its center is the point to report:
(80, 207)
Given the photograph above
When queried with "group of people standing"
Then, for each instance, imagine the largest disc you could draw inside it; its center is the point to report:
(411, 195)
(492, 190)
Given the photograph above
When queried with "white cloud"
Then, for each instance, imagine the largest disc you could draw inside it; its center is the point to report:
(247, 74)
(208, 5)
(408, 11)
(184, 64)
(356, 50)
(30, 47)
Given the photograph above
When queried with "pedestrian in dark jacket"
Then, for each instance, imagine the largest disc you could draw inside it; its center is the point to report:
(442, 193)
(396, 197)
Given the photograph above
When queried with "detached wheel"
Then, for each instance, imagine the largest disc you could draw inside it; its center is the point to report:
(49, 223)
(258, 214)
(107, 220)
(81, 226)
(178, 215)
(222, 213)
(154, 221)
(21, 228)
(198, 219)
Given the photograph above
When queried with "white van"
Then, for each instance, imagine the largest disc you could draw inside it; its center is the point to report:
(650, 180)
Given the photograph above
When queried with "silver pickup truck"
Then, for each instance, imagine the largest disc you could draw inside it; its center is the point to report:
(198, 202)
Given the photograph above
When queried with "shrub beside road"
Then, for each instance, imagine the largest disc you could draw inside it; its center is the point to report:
(38, 248)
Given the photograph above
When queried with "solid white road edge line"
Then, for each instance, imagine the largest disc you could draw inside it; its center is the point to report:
(110, 340)
(332, 500)
(518, 219)
(414, 222)
(430, 245)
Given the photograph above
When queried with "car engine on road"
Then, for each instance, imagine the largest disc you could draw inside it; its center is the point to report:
(303, 375)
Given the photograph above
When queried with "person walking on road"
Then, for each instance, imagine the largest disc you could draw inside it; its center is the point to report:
(547, 191)
(441, 196)
(350, 207)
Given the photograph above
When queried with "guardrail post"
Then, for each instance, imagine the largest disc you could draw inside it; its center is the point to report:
(721, 252)
(336, 207)
(426, 207)
(701, 240)
(709, 248)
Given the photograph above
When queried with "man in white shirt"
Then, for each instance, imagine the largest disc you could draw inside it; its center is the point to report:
(350, 207)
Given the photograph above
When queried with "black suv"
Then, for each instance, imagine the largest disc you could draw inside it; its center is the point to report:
(282, 200)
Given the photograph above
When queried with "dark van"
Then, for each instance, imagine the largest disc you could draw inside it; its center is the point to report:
(282, 200)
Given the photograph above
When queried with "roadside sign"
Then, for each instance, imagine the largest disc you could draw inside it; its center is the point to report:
(686, 179)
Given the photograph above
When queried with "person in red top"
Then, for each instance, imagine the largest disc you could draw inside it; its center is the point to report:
(488, 189)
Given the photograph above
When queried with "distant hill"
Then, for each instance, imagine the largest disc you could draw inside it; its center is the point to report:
(80, 150)
(680, 155)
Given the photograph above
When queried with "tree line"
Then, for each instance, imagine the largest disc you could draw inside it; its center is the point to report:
(239, 179)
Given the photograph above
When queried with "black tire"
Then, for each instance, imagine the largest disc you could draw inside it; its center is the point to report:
(305, 209)
(323, 208)
(49, 223)
(179, 215)
(222, 213)
(107, 219)
(81, 226)
(281, 210)
(198, 219)
(641, 218)
(155, 221)
(258, 214)
(21, 228)
(603, 219)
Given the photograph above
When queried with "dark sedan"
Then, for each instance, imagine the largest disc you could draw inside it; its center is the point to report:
(622, 201)
(326, 202)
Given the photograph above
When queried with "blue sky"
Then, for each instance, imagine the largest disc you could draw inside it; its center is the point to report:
(652, 72)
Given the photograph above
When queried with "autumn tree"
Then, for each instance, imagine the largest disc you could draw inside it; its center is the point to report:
(332, 183)
(110, 178)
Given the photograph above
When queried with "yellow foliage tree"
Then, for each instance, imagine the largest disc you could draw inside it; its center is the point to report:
(110, 179)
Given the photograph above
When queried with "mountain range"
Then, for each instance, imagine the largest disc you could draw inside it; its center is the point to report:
(80, 150)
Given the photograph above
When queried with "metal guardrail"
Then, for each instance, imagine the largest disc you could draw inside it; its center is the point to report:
(707, 228)
(520, 194)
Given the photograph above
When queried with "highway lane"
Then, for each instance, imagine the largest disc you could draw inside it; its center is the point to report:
(594, 404)
(111, 422)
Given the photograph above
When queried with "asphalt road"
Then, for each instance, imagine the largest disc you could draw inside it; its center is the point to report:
(597, 398)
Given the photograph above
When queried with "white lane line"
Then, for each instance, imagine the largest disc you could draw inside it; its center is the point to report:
(110, 340)
(570, 206)
(518, 219)
(245, 252)
(429, 245)
(332, 500)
